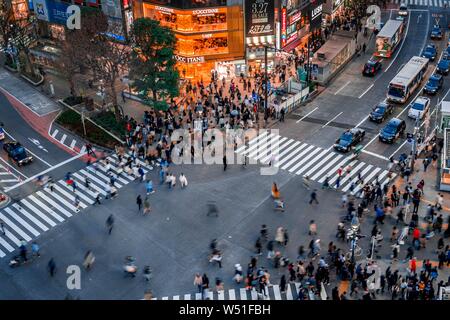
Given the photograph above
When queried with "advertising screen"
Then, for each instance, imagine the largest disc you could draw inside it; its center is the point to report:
(260, 17)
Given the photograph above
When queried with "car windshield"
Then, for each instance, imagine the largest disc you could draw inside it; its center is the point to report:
(417, 106)
(403, 8)
(380, 109)
(433, 82)
(396, 92)
(347, 136)
(390, 128)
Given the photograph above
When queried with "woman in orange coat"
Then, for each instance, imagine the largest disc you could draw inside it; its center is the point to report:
(275, 191)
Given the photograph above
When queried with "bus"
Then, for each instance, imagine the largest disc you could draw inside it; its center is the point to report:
(388, 38)
(407, 80)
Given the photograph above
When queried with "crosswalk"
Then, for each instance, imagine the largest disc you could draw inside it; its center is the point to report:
(308, 160)
(37, 213)
(423, 3)
(71, 143)
(7, 178)
(272, 292)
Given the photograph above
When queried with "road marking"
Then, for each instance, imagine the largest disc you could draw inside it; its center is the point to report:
(14, 227)
(63, 138)
(44, 172)
(371, 86)
(306, 115)
(401, 46)
(398, 149)
(1, 159)
(37, 157)
(22, 222)
(326, 166)
(9, 180)
(54, 204)
(30, 217)
(376, 155)
(348, 82)
(332, 119)
(362, 121)
(39, 213)
(231, 294)
(72, 145)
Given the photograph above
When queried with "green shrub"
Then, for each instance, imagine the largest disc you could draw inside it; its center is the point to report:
(69, 117)
(73, 101)
(107, 120)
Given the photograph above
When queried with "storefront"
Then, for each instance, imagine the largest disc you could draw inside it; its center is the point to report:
(204, 35)
(331, 9)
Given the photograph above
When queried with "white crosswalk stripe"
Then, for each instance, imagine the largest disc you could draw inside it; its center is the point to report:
(308, 160)
(422, 3)
(45, 209)
(272, 292)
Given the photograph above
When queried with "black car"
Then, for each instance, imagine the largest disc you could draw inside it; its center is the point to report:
(371, 67)
(381, 112)
(349, 139)
(436, 32)
(17, 152)
(392, 130)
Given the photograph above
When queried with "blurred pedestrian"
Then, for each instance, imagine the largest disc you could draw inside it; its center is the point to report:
(51, 266)
(139, 202)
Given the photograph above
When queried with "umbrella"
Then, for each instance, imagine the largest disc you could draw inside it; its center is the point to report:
(234, 112)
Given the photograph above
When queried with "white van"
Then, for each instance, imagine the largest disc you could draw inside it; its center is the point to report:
(403, 10)
(419, 108)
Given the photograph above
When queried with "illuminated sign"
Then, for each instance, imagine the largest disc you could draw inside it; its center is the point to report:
(164, 9)
(204, 12)
(295, 17)
(259, 17)
(189, 60)
(283, 26)
(316, 12)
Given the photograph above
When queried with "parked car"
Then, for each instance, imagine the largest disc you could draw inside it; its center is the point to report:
(430, 52)
(381, 112)
(371, 67)
(419, 107)
(349, 139)
(436, 32)
(392, 130)
(434, 83)
(17, 153)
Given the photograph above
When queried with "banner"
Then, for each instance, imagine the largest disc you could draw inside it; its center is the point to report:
(259, 17)
(40, 9)
(57, 12)
(315, 14)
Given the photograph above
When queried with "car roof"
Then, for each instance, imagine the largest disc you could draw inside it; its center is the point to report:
(382, 104)
(435, 76)
(395, 121)
(422, 100)
(430, 45)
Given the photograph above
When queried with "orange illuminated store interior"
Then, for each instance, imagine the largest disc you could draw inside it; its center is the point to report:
(191, 23)
(199, 46)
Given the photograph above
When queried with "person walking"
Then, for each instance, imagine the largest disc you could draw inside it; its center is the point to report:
(312, 228)
(97, 198)
(89, 259)
(258, 246)
(313, 197)
(286, 237)
(183, 181)
(279, 237)
(139, 202)
(146, 205)
(35, 249)
(198, 281)
(224, 163)
(110, 223)
(205, 284)
(51, 266)
(149, 187)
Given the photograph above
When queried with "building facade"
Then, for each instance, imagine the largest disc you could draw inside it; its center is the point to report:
(209, 34)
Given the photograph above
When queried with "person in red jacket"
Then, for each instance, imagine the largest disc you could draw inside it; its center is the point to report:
(416, 237)
(413, 265)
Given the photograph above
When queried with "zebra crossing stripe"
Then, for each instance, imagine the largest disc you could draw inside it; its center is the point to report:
(187, 297)
(276, 291)
(53, 204)
(289, 293)
(2, 254)
(22, 222)
(309, 164)
(254, 294)
(92, 184)
(380, 177)
(367, 169)
(6, 245)
(80, 194)
(290, 155)
(30, 217)
(306, 158)
(92, 177)
(176, 297)
(251, 142)
(69, 196)
(73, 143)
(326, 167)
(259, 142)
(335, 177)
(55, 133)
(266, 159)
(298, 156)
(318, 165)
(231, 294)
(83, 149)
(14, 227)
(61, 199)
(46, 208)
(165, 298)
(333, 171)
(63, 138)
(263, 147)
(119, 178)
(198, 296)
(106, 179)
(275, 148)
(220, 295)
(243, 293)
(28, 205)
(80, 185)
(369, 178)
(352, 172)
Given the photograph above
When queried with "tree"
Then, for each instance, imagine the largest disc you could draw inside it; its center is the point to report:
(6, 19)
(152, 67)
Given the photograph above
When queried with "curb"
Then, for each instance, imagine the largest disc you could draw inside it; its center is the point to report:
(5, 202)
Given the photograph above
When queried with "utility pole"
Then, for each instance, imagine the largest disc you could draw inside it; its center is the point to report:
(414, 145)
(266, 94)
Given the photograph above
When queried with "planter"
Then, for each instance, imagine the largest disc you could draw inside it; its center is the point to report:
(4, 200)
(10, 68)
(32, 82)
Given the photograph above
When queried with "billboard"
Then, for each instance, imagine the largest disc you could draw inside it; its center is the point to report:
(40, 9)
(259, 17)
(315, 14)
